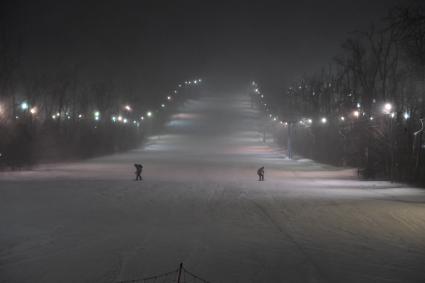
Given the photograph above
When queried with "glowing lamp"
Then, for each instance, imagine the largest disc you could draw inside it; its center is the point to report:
(24, 106)
(406, 115)
(387, 108)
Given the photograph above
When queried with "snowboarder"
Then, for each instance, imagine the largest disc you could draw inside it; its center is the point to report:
(139, 168)
(260, 173)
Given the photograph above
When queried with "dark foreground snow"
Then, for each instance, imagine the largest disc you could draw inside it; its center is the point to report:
(201, 204)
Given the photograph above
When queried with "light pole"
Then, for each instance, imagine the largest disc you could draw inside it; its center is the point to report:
(392, 147)
(290, 124)
(344, 147)
(418, 141)
(388, 107)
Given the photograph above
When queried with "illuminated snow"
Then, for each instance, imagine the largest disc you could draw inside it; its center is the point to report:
(200, 203)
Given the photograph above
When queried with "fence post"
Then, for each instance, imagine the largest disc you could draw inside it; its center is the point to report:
(180, 272)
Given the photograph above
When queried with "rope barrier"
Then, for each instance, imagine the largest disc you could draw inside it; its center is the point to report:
(158, 276)
(179, 275)
(195, 276)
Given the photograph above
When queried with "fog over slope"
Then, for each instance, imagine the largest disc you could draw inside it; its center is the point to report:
(200, 203)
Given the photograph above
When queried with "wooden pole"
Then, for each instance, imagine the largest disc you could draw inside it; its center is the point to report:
(180, 272)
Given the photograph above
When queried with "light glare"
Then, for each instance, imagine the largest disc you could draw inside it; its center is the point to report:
(406, 115)
(387, 108)
(24, 106)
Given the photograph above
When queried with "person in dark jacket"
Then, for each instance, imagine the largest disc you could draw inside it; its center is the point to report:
(139, 168)
(260, 173)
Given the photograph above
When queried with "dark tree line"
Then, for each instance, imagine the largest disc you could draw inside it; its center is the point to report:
(51, 114)
(373, 98)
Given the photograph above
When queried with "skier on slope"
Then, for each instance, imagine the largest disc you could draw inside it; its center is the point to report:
(139, 168)
(260, 173)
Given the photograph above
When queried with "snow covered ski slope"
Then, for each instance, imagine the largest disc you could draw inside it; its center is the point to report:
(200, 203)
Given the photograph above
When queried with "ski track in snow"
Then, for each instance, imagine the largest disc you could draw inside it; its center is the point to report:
(200, 203)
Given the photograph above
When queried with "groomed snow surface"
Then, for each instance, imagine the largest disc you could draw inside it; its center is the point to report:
(200, 203)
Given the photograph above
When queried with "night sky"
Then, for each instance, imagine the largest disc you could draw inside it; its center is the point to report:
(149, 46)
